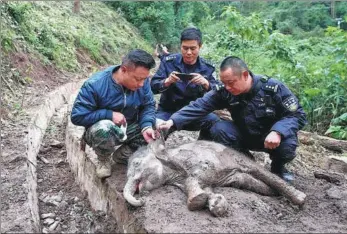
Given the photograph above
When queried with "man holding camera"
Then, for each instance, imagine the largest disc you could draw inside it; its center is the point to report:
(177, 89)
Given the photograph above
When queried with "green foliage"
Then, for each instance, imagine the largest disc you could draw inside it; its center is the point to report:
(248, 29)
(297, 17)
(155, 20)
(314, 68)
(163, 21)
(54, 31)
(338, 127)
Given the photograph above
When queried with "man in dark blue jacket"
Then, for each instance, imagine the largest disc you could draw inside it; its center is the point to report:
(112, 99)
(266, 115)
(177, 93)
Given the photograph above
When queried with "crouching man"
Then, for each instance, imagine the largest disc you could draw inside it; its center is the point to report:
(112, 99)
(266, 115)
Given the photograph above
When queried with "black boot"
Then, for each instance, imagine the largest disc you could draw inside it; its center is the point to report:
(280, 170)
(205, 135)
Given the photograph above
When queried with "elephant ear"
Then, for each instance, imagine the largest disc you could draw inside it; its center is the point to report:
(158, 145)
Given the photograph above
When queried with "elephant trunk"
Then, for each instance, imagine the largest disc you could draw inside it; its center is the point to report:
(129, 191)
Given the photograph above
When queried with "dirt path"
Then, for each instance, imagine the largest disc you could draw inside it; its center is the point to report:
(60, 199)
(64, 206)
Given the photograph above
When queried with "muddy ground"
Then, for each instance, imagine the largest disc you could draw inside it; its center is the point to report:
(69, 211)
(325, 209)
(63, 207)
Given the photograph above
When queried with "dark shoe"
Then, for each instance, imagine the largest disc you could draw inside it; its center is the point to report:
(283, 173)
(205, 135)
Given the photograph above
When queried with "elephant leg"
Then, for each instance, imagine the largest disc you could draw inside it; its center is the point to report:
(197, 198)
(246, 181)
(217, 203)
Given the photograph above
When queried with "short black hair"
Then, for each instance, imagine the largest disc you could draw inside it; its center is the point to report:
(139, 58)
(191, 33)
(235, 63)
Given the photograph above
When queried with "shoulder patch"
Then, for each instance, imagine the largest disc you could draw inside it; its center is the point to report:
(264, 78)
(170, 57)
(290, 104)
(270, 87)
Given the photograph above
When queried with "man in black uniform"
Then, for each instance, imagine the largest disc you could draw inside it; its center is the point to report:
(266, 115)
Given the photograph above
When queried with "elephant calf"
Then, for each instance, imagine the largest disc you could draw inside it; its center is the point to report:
(196, 168)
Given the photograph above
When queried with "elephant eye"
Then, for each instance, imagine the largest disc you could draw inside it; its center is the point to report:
(136, 163)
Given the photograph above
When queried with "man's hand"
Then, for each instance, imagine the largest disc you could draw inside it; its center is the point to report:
(200, 80)
(171, 79)
(272, 140)
(149, 134)
(165, 125)
(118, 118)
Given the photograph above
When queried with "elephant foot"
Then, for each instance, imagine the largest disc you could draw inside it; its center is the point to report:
(197, 202)
(218, 205)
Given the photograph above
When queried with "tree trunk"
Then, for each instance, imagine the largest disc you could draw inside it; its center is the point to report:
(76, 6)
(309, 138)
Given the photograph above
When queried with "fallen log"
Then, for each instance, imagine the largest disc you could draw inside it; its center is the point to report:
(329, 143)
(330, 177)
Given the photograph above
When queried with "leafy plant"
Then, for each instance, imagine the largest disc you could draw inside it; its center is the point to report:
(338, 127)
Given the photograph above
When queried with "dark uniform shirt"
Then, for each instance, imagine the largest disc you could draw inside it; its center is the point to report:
(269, 106)
(179, 94)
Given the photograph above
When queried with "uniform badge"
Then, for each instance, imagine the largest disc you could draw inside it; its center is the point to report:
(170, 57)
(290, 104)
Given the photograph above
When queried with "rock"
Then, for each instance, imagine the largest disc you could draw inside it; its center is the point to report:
(48, 215)
(76, 199)
(39, 180)
(44, 150)
(56, 198)
(335, 193)
(337, 164)
(43, 159)
(43, 197)
(45, 230)
(52, 202)
(53, 226)
(57, 144)
(61, 162)
(77, 207)
(63, 205)
(48, 221)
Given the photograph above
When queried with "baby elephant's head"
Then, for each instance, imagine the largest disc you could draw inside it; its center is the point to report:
(145, 173)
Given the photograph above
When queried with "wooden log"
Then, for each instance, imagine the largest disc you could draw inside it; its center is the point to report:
(76, 8)
(337, 164)
(327, 142)
(330, 177)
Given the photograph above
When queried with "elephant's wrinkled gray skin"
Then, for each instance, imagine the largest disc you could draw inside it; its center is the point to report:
(196, 168)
